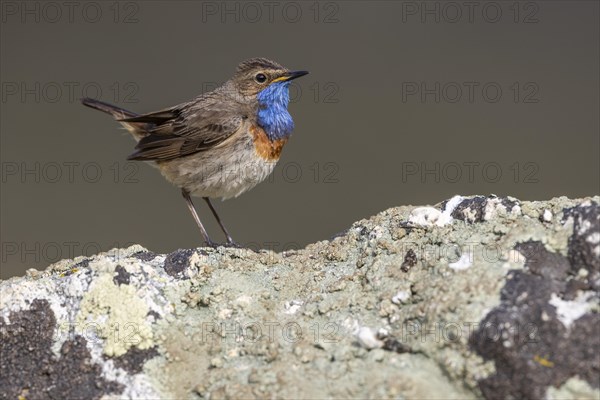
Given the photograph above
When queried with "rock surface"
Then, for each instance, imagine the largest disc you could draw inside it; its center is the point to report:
(475, 297)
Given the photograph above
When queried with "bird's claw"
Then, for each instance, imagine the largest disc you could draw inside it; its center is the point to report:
(229, 244)
(211, 244)
(232, 243)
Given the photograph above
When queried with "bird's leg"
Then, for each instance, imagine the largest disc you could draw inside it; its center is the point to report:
(190, 205)
(230, 240)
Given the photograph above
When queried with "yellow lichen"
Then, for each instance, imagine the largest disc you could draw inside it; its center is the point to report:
(543, 361)
(117, 315)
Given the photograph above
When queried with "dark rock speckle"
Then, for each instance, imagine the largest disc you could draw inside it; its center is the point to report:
(29, 368)
(177, 261)
(530, 346)
(133, 361)
(121, 277)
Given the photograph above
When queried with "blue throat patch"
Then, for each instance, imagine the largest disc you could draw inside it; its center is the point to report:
(273, 115)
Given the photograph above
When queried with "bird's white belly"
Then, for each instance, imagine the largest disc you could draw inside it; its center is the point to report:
(232, 179)
(224, 173)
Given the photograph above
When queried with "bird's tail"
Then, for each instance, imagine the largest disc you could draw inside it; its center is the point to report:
(117, 112)
(137, 129)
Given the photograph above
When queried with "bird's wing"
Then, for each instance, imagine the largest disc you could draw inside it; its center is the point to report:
(185, 129)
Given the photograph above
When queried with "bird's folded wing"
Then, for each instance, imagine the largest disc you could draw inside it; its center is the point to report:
(184, 130)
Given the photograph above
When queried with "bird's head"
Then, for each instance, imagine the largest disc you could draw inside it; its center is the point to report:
(267, 83)
(255, 75)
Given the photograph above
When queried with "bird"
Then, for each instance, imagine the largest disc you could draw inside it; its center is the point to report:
(220, 144)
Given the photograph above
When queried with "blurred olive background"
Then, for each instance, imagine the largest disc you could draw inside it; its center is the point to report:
(406, 103)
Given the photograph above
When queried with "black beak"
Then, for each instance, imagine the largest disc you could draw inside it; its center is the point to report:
(295, 74)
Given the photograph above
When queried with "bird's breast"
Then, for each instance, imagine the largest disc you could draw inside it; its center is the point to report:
(267, 149)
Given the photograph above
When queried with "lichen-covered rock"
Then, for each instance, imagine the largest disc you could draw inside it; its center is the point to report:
(476, 297)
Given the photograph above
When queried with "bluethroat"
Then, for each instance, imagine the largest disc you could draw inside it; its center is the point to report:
(223, 142)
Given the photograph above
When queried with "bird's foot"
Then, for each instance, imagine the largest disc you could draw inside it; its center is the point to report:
(232, 243)
(229, 244)
(211, 244)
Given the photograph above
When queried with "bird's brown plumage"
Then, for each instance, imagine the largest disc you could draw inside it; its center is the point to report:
(198, 125)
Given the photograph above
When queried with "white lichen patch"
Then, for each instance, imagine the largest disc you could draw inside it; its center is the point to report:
(367, 338)
(424, 216)
(594, 238)
(570, 311)
(243, 301)
(292, 307)
(584, 227)
(401, 297)
(573, 389)
(225, 313)
(376, 233)
(464, 262)
(446, 217)
(117, 315)
(491, 208)
(137, 386)
(429, 216)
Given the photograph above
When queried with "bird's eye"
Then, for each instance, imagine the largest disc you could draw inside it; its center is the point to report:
(260, 78)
